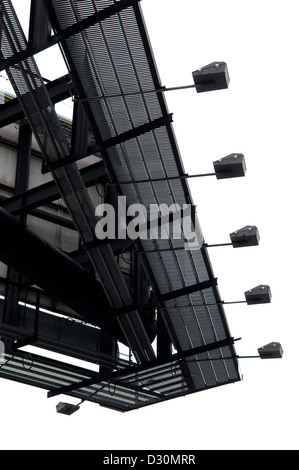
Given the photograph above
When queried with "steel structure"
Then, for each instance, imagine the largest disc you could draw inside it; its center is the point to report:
(90, 296)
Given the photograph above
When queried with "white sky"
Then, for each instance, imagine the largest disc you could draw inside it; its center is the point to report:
(256, 116)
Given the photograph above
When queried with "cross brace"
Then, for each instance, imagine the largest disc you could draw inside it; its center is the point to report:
(169, 296)
(112, 142)
(68, 32)
(175, 357)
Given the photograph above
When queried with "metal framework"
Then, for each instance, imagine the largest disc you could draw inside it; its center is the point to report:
(130, 292)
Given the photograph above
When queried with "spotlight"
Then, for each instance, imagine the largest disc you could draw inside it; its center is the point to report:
(66, 408)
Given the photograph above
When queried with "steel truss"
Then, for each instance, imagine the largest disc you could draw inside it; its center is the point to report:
(125, 135)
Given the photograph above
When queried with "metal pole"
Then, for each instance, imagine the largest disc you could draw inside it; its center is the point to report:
(166, 178)
(123, 95)
(217, 244)
(203, 305)
(208, 359)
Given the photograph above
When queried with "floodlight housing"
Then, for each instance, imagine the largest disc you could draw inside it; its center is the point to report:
(271, 351)
(246, 236)
(66, 408)
(258, 295)
(231, 166)
(211, 77)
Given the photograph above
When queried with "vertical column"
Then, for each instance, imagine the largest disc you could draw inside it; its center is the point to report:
(164, 345)
(142, 298)
(23, 162)
(108, 345)
(80, 132)
(11, 307)
(39, 26)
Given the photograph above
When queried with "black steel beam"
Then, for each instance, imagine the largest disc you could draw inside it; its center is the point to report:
(39, 26)
(31, 199)
(23, 159)
(48, 192)
(81, 255)
(168, 296)
(38, 45)
(95, 380)
(91, 20)
(80, 132)
(175, 358)
(53, 218)
(11, 306)
(59, 90)
(113, 141)
(72, 387)
(164, 344)
(188, 290)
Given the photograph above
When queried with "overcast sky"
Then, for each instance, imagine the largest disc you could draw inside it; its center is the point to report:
(256, 116)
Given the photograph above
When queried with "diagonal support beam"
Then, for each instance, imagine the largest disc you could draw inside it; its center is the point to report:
(59, 90)
(48, 192)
